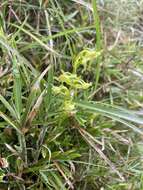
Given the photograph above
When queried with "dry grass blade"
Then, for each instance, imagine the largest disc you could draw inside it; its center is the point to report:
(119, 137)
(90, 141)
(64, 176)
(45, 46)
(35, 108)
(81, 2)
(32, 98)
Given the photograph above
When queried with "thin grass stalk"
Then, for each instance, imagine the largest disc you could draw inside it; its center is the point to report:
(23, 148)
(98, 40)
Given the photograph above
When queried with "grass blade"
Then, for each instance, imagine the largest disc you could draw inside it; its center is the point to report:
(98, 37)
(10, 122)
(89, 139)
(8, 106)
(39, 41)
(110, 111)
(17, 87)
(33, 95)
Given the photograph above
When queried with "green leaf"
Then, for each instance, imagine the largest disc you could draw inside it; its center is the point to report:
(35, 91)
(8, 106)
(115, 113)
(49, 88)
(17, 90)
(39, 41)
(10, 122)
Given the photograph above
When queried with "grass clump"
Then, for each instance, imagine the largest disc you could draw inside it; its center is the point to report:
(70, 98)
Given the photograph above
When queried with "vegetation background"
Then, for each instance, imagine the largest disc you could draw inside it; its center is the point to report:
(71, 98)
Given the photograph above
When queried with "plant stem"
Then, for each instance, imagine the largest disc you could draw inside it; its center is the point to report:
(98, 40)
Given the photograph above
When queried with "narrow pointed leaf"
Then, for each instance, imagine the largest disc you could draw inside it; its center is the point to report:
(8, 106)
(10, 122)
(116, 112)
